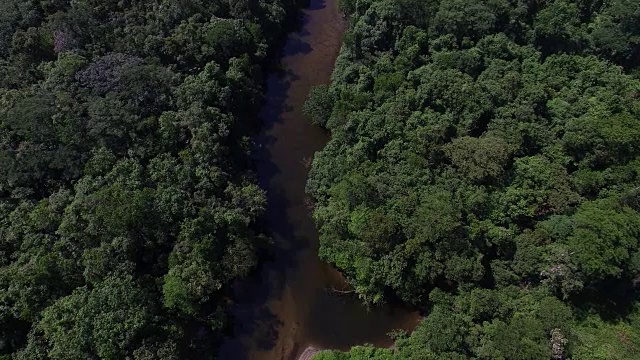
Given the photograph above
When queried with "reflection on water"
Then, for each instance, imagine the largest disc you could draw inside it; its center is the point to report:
(287, 305)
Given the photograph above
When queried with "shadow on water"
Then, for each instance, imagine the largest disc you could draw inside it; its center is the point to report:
(317, 5)
(284, 305)
(297, 46)
(251, 316)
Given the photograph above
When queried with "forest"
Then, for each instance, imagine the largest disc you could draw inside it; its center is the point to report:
(484, 167)
(127, 200)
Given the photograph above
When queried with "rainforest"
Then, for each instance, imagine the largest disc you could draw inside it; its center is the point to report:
(481, 177)
(484, 166)
(127, 203)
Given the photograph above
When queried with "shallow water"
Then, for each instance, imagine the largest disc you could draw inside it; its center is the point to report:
(289, 304)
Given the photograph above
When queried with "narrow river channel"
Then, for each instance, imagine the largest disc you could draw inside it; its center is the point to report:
(289, 305)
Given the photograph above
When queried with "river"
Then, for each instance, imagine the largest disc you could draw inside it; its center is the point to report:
(289, 304)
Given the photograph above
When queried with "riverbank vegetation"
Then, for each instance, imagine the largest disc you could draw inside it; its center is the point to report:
(126, 201)
(484, 167)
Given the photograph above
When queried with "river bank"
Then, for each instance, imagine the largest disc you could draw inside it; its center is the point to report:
(289, 305)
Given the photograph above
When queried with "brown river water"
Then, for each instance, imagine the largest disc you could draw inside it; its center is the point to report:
(289, 304)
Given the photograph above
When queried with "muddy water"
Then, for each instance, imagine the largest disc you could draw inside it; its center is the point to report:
(290, 304)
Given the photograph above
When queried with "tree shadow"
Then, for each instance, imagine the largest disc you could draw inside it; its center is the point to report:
(253, 325)
(316, 5)
(612, 300)
(297, 46)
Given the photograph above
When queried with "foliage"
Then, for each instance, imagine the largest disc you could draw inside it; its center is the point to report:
(483, 167)
(127, 202)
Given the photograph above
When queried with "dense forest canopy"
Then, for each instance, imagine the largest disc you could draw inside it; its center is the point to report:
(484, 167)
(126, 200)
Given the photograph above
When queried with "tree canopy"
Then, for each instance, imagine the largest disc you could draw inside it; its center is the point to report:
(484, 168)
(127, 200)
